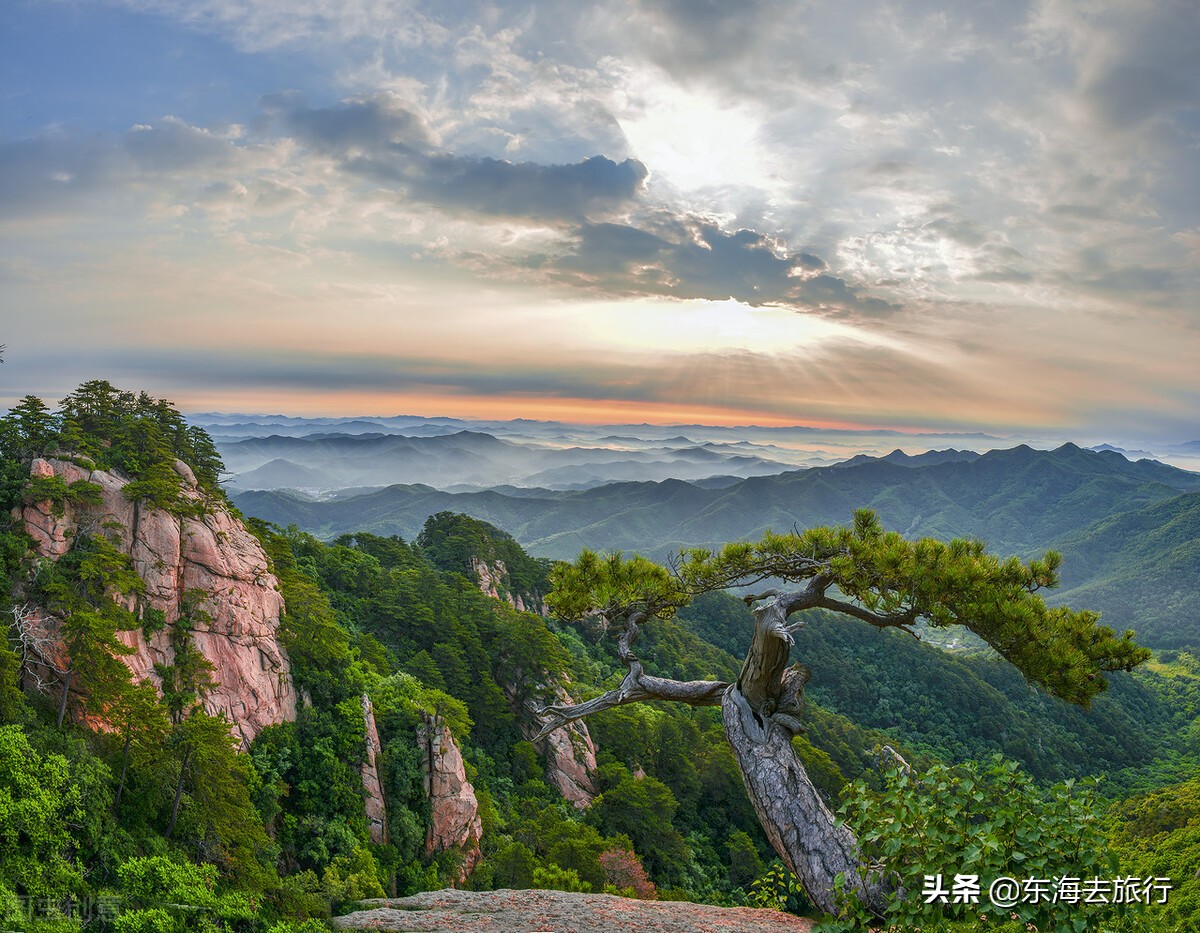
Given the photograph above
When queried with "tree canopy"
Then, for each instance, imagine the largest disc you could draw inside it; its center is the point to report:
(889, 581)
(860, 571)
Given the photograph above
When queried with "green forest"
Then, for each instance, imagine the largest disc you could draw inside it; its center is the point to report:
(128, 808)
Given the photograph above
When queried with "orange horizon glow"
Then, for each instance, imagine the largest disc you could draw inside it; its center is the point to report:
(507, 408)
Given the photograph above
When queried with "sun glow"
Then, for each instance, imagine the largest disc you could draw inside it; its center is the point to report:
(700, 326)
(692, 139)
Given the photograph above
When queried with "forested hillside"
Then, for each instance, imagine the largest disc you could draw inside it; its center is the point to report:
(141, 798)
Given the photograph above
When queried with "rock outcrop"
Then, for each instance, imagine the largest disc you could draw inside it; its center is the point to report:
(177, 555)
(522, 911)
(493, 579)
(374, 803)
(569, 752)
(455, 824)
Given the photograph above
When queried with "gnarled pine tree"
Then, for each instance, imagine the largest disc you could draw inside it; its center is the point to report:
(864, 572)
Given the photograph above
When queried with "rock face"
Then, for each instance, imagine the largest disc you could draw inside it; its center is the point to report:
(374, 804)
(493, 580)
(455, 824)
(213, 553)
(570, 753)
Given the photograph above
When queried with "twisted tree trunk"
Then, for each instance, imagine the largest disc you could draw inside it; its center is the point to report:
(761, 714)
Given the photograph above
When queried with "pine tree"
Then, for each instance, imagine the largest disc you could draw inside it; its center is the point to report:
(862, 572)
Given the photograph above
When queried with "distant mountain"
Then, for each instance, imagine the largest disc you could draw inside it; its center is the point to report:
(1131, 530)
(1125, 452)
(330, 460)
(929, 458)
(545, 446)
(283, 474)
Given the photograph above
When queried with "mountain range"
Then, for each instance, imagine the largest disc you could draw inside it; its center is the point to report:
(471, 459)
(1129, 530)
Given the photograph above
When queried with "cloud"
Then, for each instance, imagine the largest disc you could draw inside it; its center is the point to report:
(61, 172)
(693, 257)
(48, 174)
(383, 140)
(261, 25)
(174, 145)
(492, 186)
(375, 124)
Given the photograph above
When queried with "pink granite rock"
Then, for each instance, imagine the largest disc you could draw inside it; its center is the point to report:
(493, 580)
(213, 553)
(374, 804)
(455, 821)
(570, 752)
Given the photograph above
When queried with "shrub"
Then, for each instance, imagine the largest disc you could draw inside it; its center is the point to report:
(987, 821)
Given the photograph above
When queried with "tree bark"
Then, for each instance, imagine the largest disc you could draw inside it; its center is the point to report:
(62, 703)
(762, 712)
(187, 755)
(798, 824)
(761, 715)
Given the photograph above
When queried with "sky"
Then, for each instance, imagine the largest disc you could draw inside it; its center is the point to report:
(976, 216)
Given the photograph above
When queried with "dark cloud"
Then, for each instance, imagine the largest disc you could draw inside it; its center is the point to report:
(1148, 66)
(695, 258)
(380, 139)
(372, 124)
(492, 186)
(1128, 95)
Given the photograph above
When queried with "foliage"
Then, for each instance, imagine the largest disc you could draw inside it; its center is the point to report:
(611, 586)
(1158, 835)
(135, 434)
(986, 821)
(777, 889)
(457, 543)
(643, 809)
(897, 581)
(403, 624)
(84, 588)
(623, 870)
(956, 706)
(37, 803)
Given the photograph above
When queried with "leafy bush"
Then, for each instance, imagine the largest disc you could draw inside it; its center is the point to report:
(775, 889)
(983, 820)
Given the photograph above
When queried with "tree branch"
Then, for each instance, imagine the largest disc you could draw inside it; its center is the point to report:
(637, 687)
(900, 620)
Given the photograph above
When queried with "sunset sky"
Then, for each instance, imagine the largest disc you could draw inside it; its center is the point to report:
(925, 216)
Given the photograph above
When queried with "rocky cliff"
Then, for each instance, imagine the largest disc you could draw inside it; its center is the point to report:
(174, 554)
(493, 579)
(374, 803)
(569, 752)
(455, 824)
